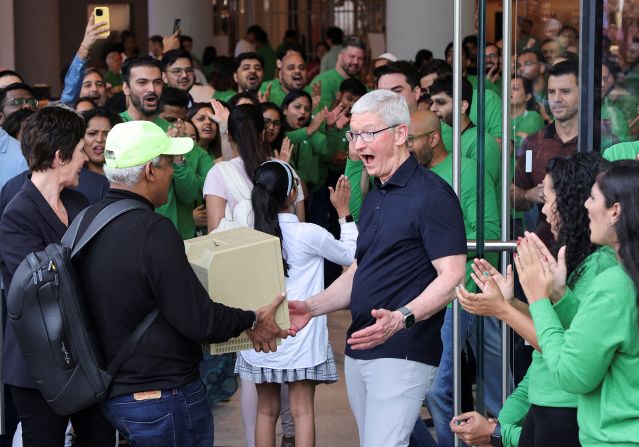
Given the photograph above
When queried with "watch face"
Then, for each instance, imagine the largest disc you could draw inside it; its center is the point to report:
(409, 321)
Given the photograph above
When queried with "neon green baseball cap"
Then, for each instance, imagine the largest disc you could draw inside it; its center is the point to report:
(135, 143)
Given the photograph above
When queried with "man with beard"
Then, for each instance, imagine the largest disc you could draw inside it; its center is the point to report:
(248, 75)
(349, 65)
(531, 65)
(291, 63)
(441, 93)
(558, 139)
(142, 85)
(178, 71)
(493, 66)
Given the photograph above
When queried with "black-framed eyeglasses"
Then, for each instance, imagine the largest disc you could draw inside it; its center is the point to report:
(411, 138)
(368, 136)
(19, 102)
(274, 123)
(179, 71)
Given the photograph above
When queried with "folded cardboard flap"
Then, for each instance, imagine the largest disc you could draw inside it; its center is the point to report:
(240, 268)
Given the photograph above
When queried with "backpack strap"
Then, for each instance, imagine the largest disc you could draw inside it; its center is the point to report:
(131, 342)
(105, 216)
(72, 232)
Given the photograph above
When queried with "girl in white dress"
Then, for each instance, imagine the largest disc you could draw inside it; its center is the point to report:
(307, 359)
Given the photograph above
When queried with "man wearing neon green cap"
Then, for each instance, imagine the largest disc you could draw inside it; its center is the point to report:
(137, 264)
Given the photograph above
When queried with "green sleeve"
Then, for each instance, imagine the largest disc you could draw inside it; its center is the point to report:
(203, 166)
(492, 153)
(297, 136)
(319, 143)
(579, 357)
(353, 171)
(493, 114)
(512, 415)
(335, 141)
(187, 184)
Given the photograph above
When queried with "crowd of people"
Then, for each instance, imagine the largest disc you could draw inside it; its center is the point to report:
(349, 164)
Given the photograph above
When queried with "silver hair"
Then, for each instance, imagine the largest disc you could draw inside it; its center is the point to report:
(128, 176)
(391, 107)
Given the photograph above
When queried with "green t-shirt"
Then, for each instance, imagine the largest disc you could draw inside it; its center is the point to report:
(614, 125)
(331, 81)
(468, 202)
(490, 85)
(185, 191)
(312, 155)
(597, 358)
(161, 122)
(277, 94)
(528, 122)
(625, 102)
(224, 95)
(492, 117)
(544, 391)
(622, 151)
(268, 54)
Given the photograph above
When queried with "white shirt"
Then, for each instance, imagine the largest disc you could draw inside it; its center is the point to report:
(306, 245)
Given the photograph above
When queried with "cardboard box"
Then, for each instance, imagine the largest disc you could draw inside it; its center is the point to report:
(240, 268)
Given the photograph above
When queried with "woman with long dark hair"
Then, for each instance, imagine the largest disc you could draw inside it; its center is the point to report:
(597, 357)
(549, 417)
(307, 359)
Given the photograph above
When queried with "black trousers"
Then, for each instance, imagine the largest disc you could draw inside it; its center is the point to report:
(550, 427)
(41, 427)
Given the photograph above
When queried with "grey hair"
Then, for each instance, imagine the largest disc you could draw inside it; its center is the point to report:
(391, 107)
(128, 176)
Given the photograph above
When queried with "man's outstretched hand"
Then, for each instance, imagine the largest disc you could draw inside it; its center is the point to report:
(266, 331)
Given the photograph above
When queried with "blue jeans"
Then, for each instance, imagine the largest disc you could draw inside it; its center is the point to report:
(181, 417)
(440, 398)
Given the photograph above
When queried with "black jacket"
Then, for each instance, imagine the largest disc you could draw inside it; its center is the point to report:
(28, 224)
(138, 263)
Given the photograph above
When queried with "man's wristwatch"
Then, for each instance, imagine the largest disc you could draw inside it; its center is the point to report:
(495, 438)
(409, 318)
(345, 219)
(254, 325)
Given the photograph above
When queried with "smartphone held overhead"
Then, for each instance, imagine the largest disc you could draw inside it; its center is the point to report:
(176, 25)
(101, 15)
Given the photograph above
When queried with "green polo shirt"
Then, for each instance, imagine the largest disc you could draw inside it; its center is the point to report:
(492, 117)
(597, 358)
(331, 81)
(268, 54)
(528, 122)
(161, 122)
(277, 94)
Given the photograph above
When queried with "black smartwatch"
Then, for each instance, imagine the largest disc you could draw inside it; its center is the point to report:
(409, 318)
(346, 219)
(495, 438)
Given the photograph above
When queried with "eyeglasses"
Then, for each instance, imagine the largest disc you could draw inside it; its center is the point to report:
(367, 137)
(411, 138)
(440, 101)
(178, 71)
(274, 123)
(20, 102)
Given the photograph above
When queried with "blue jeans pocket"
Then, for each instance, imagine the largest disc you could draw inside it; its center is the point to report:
(155, 433)
(195, 393)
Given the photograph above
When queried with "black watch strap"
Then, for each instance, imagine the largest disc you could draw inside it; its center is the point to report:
(495, 438)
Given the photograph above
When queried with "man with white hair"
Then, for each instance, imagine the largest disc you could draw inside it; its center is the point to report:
(136, 265)
(410, 256)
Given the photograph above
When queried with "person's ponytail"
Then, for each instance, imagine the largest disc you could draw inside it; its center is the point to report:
(267, 202)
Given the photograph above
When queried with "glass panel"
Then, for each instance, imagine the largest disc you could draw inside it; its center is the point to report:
(619, 72)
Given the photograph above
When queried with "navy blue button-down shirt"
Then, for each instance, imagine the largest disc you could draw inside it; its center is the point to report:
(405, 224)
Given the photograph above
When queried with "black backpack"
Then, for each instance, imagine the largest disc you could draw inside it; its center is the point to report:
(47, 309)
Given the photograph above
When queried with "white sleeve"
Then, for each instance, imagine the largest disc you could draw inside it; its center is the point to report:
(340, 251)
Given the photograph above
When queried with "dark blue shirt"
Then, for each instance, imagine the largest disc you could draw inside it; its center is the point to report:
(405, 224)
